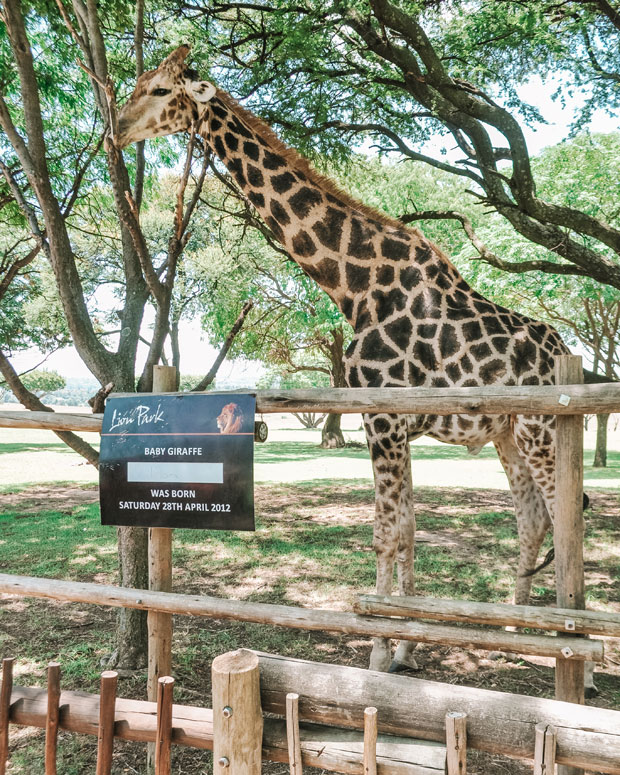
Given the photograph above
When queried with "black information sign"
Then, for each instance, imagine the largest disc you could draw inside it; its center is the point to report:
(178, 461)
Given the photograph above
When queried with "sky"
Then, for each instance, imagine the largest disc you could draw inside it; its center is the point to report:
(197, 354)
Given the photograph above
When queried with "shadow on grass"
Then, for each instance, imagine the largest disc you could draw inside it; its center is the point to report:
(299, 451)
(29, 446)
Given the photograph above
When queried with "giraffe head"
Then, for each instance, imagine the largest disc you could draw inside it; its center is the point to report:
(165, 101)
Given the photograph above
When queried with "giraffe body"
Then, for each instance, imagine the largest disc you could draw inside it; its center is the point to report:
(416, 321)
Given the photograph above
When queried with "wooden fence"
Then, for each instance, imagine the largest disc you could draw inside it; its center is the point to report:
(379, 724)
(565, 399)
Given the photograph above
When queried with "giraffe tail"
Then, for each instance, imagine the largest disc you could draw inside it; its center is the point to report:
(549, 557)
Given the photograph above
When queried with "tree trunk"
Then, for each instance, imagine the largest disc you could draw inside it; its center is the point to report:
(600, 455)
(132, 639)
(331, 434)
(131, 652)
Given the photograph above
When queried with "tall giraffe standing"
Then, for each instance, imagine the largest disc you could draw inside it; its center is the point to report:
(416, 321)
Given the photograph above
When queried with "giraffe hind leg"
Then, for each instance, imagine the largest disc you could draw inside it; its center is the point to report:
(547, 487)
(533, 520)
(389, 452)
(403, 657)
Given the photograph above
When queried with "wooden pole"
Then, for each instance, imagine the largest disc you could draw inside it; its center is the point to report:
(163, 743)
(522, 399)
(107, 710)
(303, 618)
(568, 530)
(500, 614)
(237, 714)
(160, 580)
(292, 733)
(544, 753)
(52, 717)
(370, 741)
(456, 743)
(160, 571)
(5, 710)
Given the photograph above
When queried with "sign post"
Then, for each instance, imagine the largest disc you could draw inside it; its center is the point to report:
(172, 460)
(160, 572)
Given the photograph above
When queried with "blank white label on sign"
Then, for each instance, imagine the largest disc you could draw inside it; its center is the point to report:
(179, 473)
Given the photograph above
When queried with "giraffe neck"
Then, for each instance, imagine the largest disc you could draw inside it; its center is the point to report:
(361, 258)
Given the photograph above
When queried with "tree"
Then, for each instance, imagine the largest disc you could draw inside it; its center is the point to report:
(56, 117)
(327, 73)
(41, 382)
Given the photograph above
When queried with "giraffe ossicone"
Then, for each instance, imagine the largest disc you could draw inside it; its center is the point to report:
(416, 321)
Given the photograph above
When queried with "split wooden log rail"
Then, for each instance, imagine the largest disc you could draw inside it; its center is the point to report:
(549, 399)
(303, 618)
(411, 719)
(568, 620)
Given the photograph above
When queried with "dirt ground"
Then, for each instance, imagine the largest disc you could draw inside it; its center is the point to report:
(72, 623)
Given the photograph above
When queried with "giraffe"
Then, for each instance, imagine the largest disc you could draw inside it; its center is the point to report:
(416, 321)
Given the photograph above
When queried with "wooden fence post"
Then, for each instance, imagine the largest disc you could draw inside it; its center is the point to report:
(370, 741)
(5, 710)
(456, 743)
(53, 713)
(237, 714)
(165, 688)
(544, 752)
(292, 734)
(568, 531)
(160, 580)
(160, 571)
(107, 710)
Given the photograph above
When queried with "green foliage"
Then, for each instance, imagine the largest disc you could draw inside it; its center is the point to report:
(41, 382)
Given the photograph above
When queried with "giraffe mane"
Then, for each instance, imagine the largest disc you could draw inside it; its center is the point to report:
(295, 158)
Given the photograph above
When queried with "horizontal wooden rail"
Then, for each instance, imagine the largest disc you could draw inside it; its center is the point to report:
(501, 614)
(497, 722)
(302, 618)
(330, 749)
(550, 399)
(52, 421)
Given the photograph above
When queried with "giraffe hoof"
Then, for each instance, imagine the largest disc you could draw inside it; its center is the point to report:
(590, 692)
(400, 667)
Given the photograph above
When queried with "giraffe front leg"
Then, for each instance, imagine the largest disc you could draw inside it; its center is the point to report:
(388, 462)
(404, 658)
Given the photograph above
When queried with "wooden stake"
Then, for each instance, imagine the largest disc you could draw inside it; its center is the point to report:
(544, 753)
(292, 733)
(568, 531)
(456, 743)
(52, 717)
(237, 714)
(105, 737)
(370, 741)
(5, 710)
(165, 689)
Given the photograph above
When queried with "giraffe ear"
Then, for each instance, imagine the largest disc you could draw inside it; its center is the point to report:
(202, 91)
(174, 62)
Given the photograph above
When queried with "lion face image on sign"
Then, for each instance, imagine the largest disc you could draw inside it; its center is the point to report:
(230, 419)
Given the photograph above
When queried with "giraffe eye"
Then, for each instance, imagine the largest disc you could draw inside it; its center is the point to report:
(160, 92)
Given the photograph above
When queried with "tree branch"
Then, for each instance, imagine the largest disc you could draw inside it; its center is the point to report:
(208, 379)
